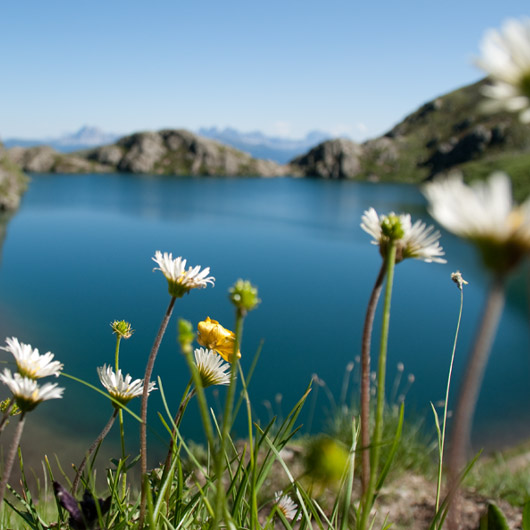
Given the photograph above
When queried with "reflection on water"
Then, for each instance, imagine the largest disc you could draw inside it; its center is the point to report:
(78, 256)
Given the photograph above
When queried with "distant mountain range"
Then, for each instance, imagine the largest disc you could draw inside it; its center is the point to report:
(258, 145)
(85, 138)
(450, 132)
(255, 143)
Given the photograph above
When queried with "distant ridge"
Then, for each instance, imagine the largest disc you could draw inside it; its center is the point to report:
(84, 138)
(259, 145)
(451, 132)
(165, 152)
(256, 144)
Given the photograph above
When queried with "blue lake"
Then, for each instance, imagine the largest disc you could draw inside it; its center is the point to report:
(77, 256)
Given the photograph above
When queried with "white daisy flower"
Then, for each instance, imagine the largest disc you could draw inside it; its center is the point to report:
(211, 368)
(122, 390)
(414, 241)
(29, 362)
(506, 59)
(286, 505)
(27, 392)
(179, 279)
(485, 214)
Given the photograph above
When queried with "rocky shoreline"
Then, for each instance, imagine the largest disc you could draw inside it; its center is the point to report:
(166, 152)
(447, 133)
(13, 183)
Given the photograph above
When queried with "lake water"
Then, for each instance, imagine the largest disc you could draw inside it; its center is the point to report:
(77, 256)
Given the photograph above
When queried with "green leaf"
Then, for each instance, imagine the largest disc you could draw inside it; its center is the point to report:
(526, 516)
(493, 519)
(442, 512)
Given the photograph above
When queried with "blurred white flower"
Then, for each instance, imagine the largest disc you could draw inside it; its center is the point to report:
(29, 362)
(211, 368)
(485, 214)
(286, 505)
(122, 390)
(414, 240)
(27, 392)
(506, 59)
(179, 279)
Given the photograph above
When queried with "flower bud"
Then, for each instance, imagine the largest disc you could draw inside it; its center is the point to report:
(185, 335)
(391, 227)
(122, 329)
(244, 295)
(458, 279)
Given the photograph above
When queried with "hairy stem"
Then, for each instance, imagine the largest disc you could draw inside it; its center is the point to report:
(145, 394)
(11, 456)
(375, 451)
(365, 376)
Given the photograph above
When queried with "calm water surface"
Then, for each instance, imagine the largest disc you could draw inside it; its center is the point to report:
(78, 253)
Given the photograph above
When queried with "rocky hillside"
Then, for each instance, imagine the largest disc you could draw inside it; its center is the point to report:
(12, 183)
(167, 152)
(450, 132)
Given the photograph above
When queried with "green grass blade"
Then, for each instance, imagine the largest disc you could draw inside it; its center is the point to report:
(393, 450)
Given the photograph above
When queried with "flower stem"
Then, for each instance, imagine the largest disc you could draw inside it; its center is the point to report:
(365, 376)
(145, 394)
(117, 352)
(446, 403)
(227, 421)
(368, 498)
(469, 390)
(92, 448)
(11, 456)
(120, 416)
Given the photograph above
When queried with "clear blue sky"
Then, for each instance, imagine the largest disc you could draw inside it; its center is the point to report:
(281, 66)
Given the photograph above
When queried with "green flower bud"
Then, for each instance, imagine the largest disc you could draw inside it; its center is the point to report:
(185, 335)
(122, 329)
(244, 295)
(391, 227)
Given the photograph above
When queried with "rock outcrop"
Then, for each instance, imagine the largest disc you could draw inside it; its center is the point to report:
(167, 152)
(450, 132)
(463, 148)
(333, 159)
(13, 183)
(44, 159)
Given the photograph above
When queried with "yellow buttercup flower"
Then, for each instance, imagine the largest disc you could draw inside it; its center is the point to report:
(213, 336)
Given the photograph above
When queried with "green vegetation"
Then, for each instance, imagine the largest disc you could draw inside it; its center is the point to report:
(484, 143)
(503, 475)
(13, 182)
(516, 164)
